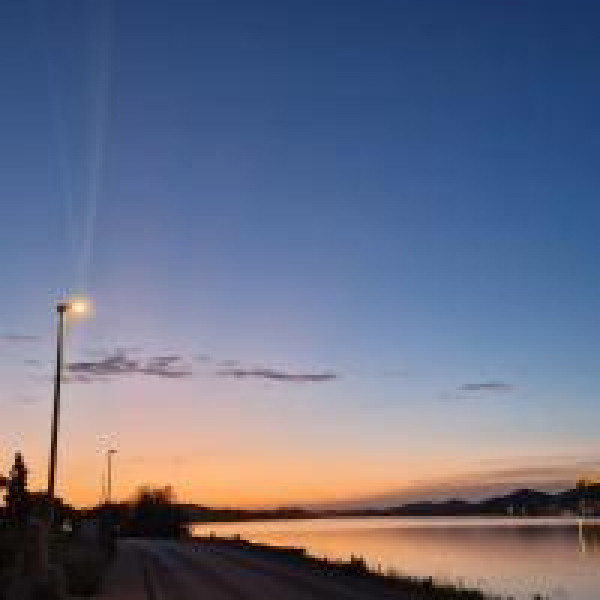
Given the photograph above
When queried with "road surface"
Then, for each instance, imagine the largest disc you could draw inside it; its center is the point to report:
(171, 570)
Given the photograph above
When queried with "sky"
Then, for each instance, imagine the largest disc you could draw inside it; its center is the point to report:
(340, 252)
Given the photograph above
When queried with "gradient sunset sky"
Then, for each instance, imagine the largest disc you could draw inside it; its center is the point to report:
(340, 251)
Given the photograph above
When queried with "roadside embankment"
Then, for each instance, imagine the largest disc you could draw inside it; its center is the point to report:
(353, 574)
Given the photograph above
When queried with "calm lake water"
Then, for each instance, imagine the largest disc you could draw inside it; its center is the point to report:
(519, 557)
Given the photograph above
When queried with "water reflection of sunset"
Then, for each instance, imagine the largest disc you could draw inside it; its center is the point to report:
(519, 556)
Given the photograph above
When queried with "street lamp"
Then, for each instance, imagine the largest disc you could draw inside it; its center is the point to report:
(109, 455)
(79, 307)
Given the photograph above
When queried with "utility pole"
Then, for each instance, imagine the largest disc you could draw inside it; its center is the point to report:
(61, 309)
(109, 455)
(74, 307)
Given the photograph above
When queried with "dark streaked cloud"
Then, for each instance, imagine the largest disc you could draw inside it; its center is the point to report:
(170, 370)
(277, 375)
(118, 363)
(480, 389)
(229, 362)
(32, 362)
(164, 361)
(19, 337)
(171, 366)
(487, 386)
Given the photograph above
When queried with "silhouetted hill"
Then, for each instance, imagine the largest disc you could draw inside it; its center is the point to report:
(204, 513)
(525, 501)
(446, 508)
(522, 502)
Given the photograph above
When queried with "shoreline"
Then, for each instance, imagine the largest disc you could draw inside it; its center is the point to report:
(357, 573)
(458, 519)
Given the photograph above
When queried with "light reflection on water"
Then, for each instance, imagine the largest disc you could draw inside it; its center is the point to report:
(557, 557)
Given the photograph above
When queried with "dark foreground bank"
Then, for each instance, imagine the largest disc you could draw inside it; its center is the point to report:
(353, 574)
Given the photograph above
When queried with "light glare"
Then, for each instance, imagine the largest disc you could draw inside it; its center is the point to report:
(78, 307)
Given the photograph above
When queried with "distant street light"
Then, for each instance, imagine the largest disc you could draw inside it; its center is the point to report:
(79, 307)
(109, 455)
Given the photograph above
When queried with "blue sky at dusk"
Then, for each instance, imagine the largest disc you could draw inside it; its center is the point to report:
(337, 250)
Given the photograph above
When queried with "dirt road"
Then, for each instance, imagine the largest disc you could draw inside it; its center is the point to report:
(169, 570)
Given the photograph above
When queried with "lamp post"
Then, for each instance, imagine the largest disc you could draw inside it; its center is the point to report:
(79, 307)
(109, 455)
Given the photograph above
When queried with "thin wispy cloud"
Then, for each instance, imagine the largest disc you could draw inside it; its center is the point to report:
(486, 386)
(19, 337)
(278, 375)
(479, 389)
(164, 361)
(119, 363)
(115, 364)
(229, 362)
(170, 367)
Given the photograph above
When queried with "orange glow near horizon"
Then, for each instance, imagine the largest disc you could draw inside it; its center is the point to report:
(223, 443)
(235, 481)
(242, 482)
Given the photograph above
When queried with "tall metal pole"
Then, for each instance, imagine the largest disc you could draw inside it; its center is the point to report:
(61, 310)
(109, 455)
(103, 494)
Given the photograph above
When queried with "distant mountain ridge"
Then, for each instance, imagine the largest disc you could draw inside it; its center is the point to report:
(521, 502)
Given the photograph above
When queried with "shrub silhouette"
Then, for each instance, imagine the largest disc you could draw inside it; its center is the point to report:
(153, 513)
(17, 497)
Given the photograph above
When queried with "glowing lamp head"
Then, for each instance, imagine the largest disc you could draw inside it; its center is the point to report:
(78, 307)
